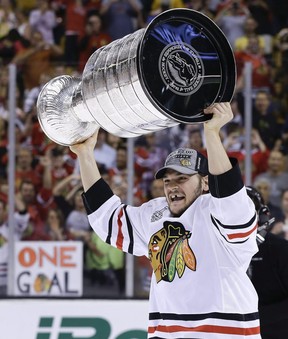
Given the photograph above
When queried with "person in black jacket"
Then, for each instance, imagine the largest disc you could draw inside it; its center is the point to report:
(269, 274)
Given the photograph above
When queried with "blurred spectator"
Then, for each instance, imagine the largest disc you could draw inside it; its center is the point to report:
(7, 17)
(26, 4)
(4, 88)
(97, 260)
(279, 101)
(77, 222)
(93, 39)
(119, 186)
(237, 111)
(118, 177)
(104, 153)
(260, 11)
(75, 17)
(263, 186)
(259, 151)
(281, 49)
(3, 148)
(284, 207)
(4, 189)
(284, 140)
(57, 162)
(195, 139)
(67, 196)
(4, 76)
(155, 7)
(120, 167)
(261, 70)
(278, 11)
(250, 26)
(35, 138)
(276, 175)
(231, 19)
(114, 141)
(34, 202)
(59, 28)
(117, 263)
(11, 44)
(34, 207)
(55, 226)
(104, 263)
(25, 169)
(92, 6)
(159, 6)
(63, 192)
(260, 154)
(32, 95)
(148, 157)
(23, 25)
(4, 251)
(197, 5)
(36, 60)
(173, 137)
(264, 119)
(233, 142)
(19, 227)
(43, 20)
(121, 17)
(156, 190)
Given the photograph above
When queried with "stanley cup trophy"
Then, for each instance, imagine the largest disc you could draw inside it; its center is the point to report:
(152, 79)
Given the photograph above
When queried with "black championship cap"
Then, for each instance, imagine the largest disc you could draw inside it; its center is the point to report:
(186, 161)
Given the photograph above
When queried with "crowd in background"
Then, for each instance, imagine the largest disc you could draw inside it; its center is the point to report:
(45, 39)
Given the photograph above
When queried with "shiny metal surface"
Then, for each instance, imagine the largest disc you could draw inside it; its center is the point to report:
(115, 95)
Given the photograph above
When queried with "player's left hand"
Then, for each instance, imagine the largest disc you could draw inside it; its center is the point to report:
(222, 114)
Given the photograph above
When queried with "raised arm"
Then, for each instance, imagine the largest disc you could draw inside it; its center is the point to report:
(88, 167)
(218, 161)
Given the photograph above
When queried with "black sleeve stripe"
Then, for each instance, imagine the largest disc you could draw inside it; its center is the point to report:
(129, 228)
(213, 315)
(96, 196)
(233, 227)
(130, 231)
(228, 183)
(108, 239)
(230, 242)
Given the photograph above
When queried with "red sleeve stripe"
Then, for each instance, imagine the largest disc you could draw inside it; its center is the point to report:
(238, 226)
(206, 328)
(241, 235)
(120, 237)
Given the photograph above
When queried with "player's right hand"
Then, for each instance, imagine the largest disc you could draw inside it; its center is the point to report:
(86, 146)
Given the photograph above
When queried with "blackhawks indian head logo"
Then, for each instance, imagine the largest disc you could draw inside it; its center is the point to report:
(181, 68)
(170, 253)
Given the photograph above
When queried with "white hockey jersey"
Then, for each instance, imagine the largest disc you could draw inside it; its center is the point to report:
(199, 288)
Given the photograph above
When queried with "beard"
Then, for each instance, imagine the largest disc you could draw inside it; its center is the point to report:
(196, 194)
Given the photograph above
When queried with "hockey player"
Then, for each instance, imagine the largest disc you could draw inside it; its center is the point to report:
(199, 243)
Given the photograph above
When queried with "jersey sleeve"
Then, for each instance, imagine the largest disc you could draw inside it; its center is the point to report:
(233, 213)
(117, 224)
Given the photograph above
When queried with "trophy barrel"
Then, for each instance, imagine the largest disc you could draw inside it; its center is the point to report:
(149, 80)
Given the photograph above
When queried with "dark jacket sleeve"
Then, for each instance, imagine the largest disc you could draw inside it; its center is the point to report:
(228, 183)
(96, 196)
